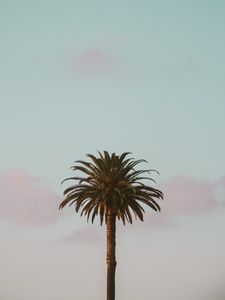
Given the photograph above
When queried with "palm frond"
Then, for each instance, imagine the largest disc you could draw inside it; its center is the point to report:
(111, 184)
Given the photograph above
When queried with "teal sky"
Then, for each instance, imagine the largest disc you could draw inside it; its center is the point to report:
(140, 76)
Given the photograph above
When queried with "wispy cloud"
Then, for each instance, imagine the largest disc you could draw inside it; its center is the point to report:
(187, 196)
(97, 61)
(83, 236)
(25, 200)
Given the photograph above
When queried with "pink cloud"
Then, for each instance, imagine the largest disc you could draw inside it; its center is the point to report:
(186, 196)
(96, 61)
(24, 200)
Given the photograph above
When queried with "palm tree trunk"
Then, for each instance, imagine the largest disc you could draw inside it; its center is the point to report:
(111, 255)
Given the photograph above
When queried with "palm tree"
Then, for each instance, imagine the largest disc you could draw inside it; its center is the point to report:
(112, 189)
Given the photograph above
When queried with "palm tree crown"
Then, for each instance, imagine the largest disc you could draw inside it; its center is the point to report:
(111, 185)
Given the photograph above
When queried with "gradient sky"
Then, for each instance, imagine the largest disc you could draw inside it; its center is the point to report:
(140, 76)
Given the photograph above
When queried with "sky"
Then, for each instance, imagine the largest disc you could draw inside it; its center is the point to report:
(140, 76)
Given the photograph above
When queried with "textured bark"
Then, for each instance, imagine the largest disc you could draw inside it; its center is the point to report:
(111, 255)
